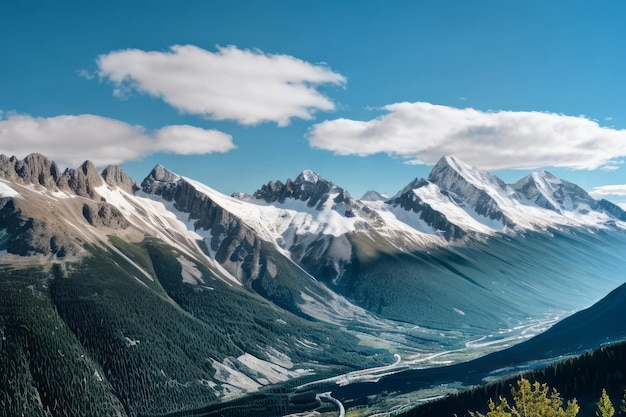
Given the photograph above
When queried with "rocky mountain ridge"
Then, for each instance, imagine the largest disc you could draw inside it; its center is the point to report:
(456, 201)
(306, 268)
(31, 228)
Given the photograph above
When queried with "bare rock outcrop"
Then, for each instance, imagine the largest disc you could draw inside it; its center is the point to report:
(81, 181)
(29, 236)
(34, 169)
(104, 215)
(115, 176)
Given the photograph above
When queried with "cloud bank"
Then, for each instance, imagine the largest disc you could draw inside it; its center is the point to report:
(69, 140)
(231, 84)
(423, 132)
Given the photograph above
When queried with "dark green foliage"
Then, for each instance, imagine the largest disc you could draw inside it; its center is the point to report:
(604, 407)
(44, 370)
(101, 338)
(257, 323)
(153, 353)
(581, 377)
(531, 400)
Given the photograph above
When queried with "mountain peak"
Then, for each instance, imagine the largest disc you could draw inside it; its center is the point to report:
(373, 195)
(549, 191)
(81, 181)
(450, 170)
(115, 176)
(308, 186)
(308, 176)
(160, 173)
(446, 166)
(159, 180)
(545, 175)
(37, 169)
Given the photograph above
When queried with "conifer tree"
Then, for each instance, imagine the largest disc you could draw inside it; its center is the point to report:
(604, 407)
(531, 400)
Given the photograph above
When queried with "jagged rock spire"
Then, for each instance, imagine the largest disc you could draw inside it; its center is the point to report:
(115, 176)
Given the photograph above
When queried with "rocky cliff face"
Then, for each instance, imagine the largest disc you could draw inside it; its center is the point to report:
(612, 209)
(38, 170)
(33, 224)
(115, 176)
(408, 200)
(81, 181)
(28, 234)
(309, 187)
(233, 244)
(34, 169)
(104, 215)
(470, 187)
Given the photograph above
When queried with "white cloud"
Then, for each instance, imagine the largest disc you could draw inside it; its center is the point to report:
(608, 190)
(231, 84)
(70, 140)
(422, 133)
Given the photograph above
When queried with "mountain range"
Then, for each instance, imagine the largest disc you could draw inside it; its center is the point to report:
(166, 296)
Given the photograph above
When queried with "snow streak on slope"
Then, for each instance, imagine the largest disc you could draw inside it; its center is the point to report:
(161, 219)
(454, 213)
(404, 227)
(6, 190)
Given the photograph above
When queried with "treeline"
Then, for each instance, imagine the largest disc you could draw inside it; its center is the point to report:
(582, 377)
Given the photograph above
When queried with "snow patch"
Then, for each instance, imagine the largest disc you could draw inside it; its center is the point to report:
(277, 357)
(190, 272)
(130, 342)
(130, 261)
(269, 371)
(225, 372)
(6, 191)
(432, 194)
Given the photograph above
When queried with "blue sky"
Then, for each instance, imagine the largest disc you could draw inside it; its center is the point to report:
(369, 94)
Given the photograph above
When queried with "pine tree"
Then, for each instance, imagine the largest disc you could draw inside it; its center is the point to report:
(604, 407)
(531, 400)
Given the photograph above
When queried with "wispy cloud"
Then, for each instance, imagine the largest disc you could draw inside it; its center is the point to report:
(423, 132)
(83, 73)
(618, 190)
(69, 140)
(247, 86)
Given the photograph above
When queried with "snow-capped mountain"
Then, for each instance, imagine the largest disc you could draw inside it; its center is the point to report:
(311, 221)
(457, 200)
(428, 269)
(568, 199)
